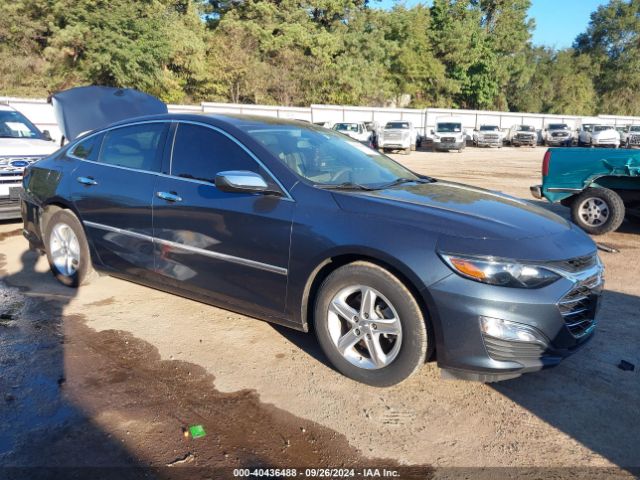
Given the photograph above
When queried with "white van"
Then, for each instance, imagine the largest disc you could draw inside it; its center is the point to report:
(21, 143)
(448, 134)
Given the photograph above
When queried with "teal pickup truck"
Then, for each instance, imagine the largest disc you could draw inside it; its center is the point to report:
(601, 186)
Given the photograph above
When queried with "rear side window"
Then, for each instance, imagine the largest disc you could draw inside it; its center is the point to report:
(88, 149)
(200, 153)
(136, 146)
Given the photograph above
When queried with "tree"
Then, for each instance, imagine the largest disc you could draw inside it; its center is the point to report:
(612, 42)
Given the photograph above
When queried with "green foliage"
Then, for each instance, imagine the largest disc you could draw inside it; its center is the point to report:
(453, 53)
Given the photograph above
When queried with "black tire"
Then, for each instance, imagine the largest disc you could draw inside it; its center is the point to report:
(416, 334)
(84, 271)
(613, 203)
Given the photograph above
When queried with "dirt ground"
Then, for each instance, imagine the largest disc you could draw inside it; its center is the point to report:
(111, 375)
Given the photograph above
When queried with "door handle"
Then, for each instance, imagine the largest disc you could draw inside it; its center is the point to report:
(169, 196)
(86, 181)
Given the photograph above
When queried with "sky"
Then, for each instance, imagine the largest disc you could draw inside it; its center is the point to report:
(558, 22)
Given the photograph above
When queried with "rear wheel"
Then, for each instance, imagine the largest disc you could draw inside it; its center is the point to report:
(598, 211)
(370, 326)
(67, 249)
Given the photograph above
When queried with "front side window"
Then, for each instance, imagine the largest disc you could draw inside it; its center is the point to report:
(327, 158)
(136, 146)
(200, 153)
(15, 125)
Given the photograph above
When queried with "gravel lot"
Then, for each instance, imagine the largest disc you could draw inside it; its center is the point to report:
(110, 374)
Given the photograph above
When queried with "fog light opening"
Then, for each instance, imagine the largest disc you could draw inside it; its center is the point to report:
(511, 331)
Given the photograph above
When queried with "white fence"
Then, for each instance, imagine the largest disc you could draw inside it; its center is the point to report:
(41, 113)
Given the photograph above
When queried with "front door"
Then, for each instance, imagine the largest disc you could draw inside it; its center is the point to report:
(114, 184)
(229, 247)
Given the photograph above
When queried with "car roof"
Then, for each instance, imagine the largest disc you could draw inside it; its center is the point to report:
(238, 120)
(5, 107)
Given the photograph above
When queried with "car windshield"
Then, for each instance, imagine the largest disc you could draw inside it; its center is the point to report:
(525, 128)
(397, 125)
(15, 125)
(635, 128)
(346, 127)
(327, 158)
(558, 126)
(449, 127)
(488, 128)
(601, 128)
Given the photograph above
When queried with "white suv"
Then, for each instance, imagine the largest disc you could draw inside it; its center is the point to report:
(21, 143)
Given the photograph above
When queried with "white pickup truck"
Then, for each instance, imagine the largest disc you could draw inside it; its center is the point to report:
(398, 135)
(356, 130)
(21, 143)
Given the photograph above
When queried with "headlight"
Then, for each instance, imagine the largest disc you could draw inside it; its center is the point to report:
(504, 273)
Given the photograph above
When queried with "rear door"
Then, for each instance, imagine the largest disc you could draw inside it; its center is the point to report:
(229, 247)
(114, 185)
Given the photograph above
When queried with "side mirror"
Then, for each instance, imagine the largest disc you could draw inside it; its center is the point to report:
(241, 181)
(433, 132)
(47, 136)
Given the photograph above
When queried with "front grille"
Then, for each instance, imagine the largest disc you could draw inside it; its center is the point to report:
(525, 137)
(559, 134)
(577, 264)
(393, 136)
(579, 306)
(504, 350)
(490, 137)
(634, 140)
(448, 140)
(9, 201)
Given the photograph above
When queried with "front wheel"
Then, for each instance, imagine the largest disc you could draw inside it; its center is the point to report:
(67, 249)
(598, 211)
(370, 326)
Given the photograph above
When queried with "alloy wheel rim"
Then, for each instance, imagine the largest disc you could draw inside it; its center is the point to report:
(64, 249)
(594, 211)
(365, 327)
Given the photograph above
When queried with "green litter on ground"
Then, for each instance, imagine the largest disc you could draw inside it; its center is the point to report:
(197, 431)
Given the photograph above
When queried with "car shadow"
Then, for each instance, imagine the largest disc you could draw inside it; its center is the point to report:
(588, 397)
(44, 434)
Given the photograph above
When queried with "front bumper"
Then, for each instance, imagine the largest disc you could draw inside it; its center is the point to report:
(394, 144)
(445, 146)
(560, 141)
(525, 141)
(488, 143)
(463, 351)
(10, 205)
(605, 142)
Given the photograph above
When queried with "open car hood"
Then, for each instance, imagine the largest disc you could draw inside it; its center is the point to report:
(82, 109)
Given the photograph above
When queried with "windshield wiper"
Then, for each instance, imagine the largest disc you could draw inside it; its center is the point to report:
(402, 180)
(345, 186)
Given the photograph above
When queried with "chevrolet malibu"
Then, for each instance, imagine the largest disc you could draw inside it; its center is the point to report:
(301, 226)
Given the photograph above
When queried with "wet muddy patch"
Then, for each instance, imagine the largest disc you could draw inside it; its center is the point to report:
(87, 399)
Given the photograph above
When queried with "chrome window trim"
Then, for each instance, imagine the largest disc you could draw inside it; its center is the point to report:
(287, 196)
(237, 142)
(208, 253)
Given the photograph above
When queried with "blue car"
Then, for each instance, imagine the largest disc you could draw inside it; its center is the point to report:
(298, 225)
